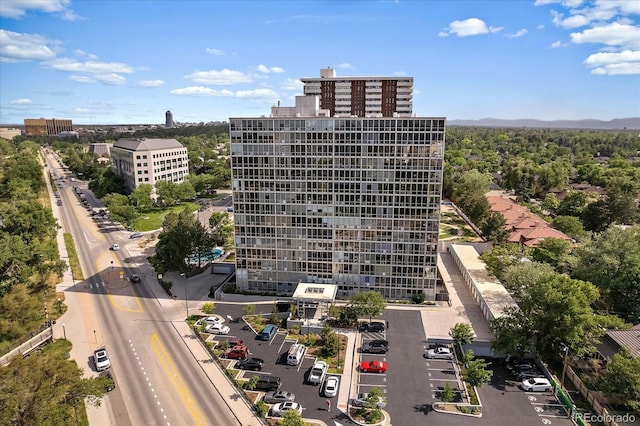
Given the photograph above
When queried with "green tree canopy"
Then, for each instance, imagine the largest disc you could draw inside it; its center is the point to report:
(461, 333)
(368, 303)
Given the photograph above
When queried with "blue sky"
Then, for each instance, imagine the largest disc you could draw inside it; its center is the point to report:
(117, 62)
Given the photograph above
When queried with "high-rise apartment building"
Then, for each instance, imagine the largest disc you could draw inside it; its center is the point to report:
(350, 201)
(361, 96)
(46, 127)
(147, 161)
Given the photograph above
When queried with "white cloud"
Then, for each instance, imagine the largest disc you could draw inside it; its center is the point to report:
(255, 94)
(224, 77)
(23, 101)
(292, 85)
(18, 8)
(98, 67)
(151, 83)
(517, 34)
(214, 51)
(614, 63)
(346, 66)
(18, 47)
(556, 44)
(82, 79)
(266, 70)
(628, 68)
(613, 34)
(83, 54)
(111, 79)
(200, 91)
(469, 27)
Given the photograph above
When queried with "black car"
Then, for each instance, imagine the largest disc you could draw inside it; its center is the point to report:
(251, 364)
(368, 348)
(379, 342)
(111, 384)
(135, 278)
(372, 327)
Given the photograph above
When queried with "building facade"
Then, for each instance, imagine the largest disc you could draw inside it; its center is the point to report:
(147, 161)
(46, 127)
(361, 96)
(350, 201)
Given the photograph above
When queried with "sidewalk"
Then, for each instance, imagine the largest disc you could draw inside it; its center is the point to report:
(237, 404)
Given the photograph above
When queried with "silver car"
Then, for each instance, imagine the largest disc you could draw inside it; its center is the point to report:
(275, 397)
(439, 353)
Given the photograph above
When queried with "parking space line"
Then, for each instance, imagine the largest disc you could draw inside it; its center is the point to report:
(372, 386)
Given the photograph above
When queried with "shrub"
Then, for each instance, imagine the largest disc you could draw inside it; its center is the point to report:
(418, 298)
(262, 408)
(208, 308)
(447, 394)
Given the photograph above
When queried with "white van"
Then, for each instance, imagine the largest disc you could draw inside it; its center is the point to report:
(295, 354)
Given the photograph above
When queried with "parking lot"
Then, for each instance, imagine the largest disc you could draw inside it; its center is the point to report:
(274, 353)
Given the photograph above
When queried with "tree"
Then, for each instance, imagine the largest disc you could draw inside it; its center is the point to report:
(550, 202)
(519, 278)
(622, 379)
(621, 200)
(447, 394)
(595, 216)
(611, 261)
(493, 228)
(249, 309)
(291, 418)
(330, 341)
(462, 334)
(513, 332)
(556, 252)
(208, 308)
(44, 387)
(502, 256)
(368, 303)
(572, 204)
(221, 227)
(570, 225)
(469, 193)
(475, 372)
(141, 197)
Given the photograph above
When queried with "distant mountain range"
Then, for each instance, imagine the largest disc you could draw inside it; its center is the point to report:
(616, 124)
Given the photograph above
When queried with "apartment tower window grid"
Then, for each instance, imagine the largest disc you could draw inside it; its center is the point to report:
(351, 201)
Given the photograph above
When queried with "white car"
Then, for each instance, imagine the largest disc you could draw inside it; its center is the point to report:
(439, 353)
(331, 386)
(212, 320)
(279, 409)
(536, 384)
(217, 329)
(317, 373)
(362, 401)
(101, 359)
(115, 247)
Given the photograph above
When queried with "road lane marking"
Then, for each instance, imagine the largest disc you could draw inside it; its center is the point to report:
(177, 381)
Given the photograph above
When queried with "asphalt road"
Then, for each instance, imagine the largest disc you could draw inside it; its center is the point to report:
(159, 382)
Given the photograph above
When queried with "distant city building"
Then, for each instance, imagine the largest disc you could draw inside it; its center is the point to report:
(168, 122)
(100, 149)
(350, 201)
(147, 161)
(9, 132)
(46, 127)
(361, 96)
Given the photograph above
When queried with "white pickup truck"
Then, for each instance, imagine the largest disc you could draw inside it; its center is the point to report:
(317, 373)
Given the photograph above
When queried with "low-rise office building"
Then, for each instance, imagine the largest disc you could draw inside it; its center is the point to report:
(147, 161)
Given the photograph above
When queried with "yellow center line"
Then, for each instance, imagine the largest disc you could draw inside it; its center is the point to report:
(176, 379)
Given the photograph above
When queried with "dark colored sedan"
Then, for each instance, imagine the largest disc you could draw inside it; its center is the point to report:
(135, 278)
(111, 384)
(370, 348)
(251, 364)
(375, 327)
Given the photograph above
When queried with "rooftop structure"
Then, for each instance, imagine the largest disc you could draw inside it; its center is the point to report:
(46, 127)
(361, 96)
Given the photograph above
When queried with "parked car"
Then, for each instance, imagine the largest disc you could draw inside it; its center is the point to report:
(439, 353)
(362, 401)
(110, 384)
(210, 321)
(251, 364)
(101, 359)
(527, 374)
(217, 329)
(536, 384)
(373, 366)
(135, 278)
(135, 235)
(279, 409)
(275, 397)
(331, 386)
(372, 348)
(268, 383)
(237, 352)
(115, 247)
(372, 327)
(317, 373)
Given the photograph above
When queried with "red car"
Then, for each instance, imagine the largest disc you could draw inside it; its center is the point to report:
(373, 367)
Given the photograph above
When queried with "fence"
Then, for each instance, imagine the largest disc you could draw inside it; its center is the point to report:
(591, 398)
(34, 343)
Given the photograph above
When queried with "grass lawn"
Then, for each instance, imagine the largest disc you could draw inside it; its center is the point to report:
(153, 220)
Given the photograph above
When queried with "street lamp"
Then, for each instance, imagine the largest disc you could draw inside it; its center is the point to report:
(186, 297)
(64, 332)
(564, 349)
